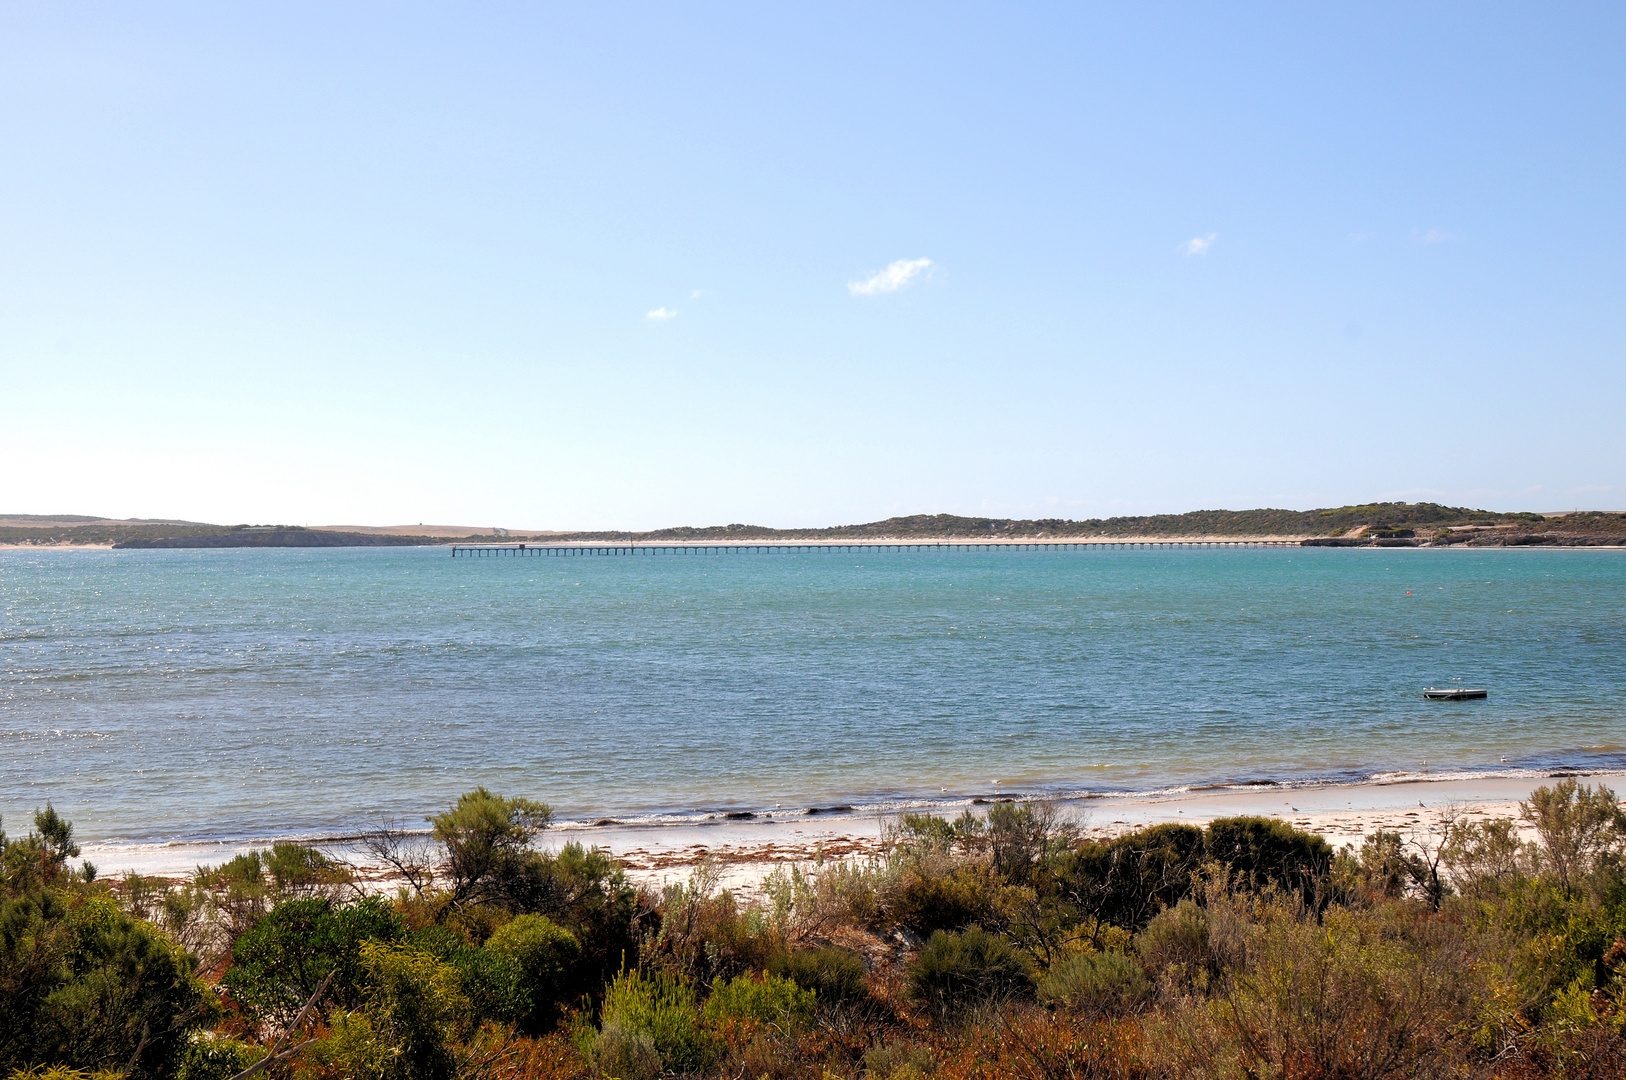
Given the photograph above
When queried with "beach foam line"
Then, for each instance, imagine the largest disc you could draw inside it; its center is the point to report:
(1601, 761)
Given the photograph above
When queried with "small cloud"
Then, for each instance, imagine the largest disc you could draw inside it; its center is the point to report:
(891, 279)
(661, 314)
(1199, 245)
(697, 294)
(1433, 236)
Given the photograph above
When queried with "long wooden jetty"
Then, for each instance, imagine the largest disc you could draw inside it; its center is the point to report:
(530, 550)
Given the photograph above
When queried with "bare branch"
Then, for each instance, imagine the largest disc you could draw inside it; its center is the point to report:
(410, 853)
(277, 1055)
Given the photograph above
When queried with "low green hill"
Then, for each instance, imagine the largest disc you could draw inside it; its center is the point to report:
(1195, 524)
(1331, 521)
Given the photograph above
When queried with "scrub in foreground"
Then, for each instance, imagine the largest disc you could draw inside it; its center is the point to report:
(1000, 945)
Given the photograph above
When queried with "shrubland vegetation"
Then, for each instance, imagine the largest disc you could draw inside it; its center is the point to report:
(72, 529)
(1196, 523)
(1397, 519)
(1002, 946)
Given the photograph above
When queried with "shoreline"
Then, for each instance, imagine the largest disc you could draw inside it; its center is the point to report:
(751, 849)
(1294, 541)
(1342, 814)
(543, 539)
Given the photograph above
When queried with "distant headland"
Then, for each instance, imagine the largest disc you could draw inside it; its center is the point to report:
(1385, 524)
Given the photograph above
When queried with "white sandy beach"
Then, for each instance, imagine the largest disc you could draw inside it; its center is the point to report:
(1341, 814)
(750, 850)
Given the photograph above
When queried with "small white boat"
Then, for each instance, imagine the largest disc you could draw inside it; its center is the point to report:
(1454, 693)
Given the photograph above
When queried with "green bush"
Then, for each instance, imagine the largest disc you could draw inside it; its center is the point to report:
(492, 982)
(1023, 835)
(1103, 983)
(493, 870)
(489, 857)
(930, 897)
(83, 985)
(836, 975)
(545, 956)
(277, 965)
(1262, 852)
(970, 968)
(415, 1016)
(208, 1057)
(899, 1059)
(1555, 938)
(924, 833)
(243, 889)
(625, 1053)
(1581, 829)
(590, 897)
(1129, 879)
(662, 1005)
(40, 859)
(1353, 994)
(709, 937)
(1485, 857)
(1175, 944)
(769, 999)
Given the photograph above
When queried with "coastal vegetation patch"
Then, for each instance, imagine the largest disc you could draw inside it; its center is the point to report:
(1394, 523)
(994, 946)
(1196, 523)
(69, 532)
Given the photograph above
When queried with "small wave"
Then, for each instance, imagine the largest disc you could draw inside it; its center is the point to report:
(894, 806)
(54, 733)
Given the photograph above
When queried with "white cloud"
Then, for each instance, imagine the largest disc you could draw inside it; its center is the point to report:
(1199, 245)
(661, 314)
(1432, 236)
(891, 279)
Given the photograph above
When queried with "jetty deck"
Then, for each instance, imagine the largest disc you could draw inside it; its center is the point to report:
(542, 550)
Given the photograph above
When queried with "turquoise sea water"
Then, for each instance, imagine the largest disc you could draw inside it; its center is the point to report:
(162, 695)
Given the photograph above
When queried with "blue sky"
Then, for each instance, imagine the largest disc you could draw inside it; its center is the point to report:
(376, 264)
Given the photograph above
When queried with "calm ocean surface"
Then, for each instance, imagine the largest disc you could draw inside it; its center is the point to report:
(177, 695)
